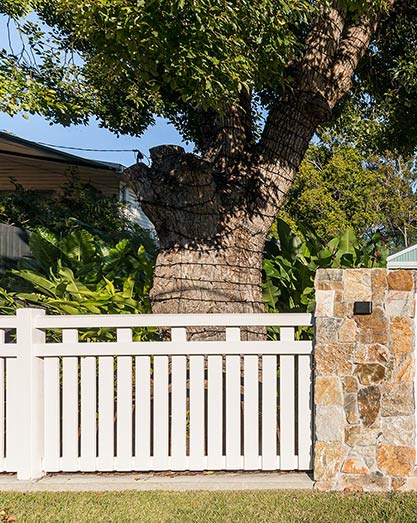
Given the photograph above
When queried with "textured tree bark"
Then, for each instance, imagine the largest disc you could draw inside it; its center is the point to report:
(209, 278)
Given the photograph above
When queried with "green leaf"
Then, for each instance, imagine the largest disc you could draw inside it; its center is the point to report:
(79, 246)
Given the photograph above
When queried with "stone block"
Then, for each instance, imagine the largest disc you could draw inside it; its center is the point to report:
(354, 465)
(363, 482)
(367, 453)
(369, 404)
(329, 285)
(360, 354)
(347, 331)
(350, 384)
(333, 359)
(329, 275)
(362, 437)
(327, 330)
(373, 327)
(400, 280)
(401, 334)
(395, 460)
(330, 423)
(376, 321)
(328, 458)
(379, 286)
(410, 484)
(324, 486)
(328, 391)
(370, 373)
(357, 284)
(351, 408)
(397, 483)
(343, 309)
(324, 304)
(404, 368)
(397, 399)
(400, 303)
(397, 430)
(379, 353)
(369, 336)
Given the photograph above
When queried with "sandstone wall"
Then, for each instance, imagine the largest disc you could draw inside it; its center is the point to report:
(364, 380)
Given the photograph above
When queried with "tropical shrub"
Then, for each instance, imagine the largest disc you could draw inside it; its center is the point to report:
(76, 203)
(291, 261)
(81, 273)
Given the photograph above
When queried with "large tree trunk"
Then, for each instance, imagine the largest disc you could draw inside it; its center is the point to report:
(212, 219)
(210, 276)
(212, 213)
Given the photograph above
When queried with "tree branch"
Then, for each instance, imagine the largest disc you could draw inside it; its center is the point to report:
(231, 134)
(321, 46)
(352, 48)
(333, 50)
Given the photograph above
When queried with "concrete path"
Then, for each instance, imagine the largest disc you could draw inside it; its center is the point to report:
(182, 482)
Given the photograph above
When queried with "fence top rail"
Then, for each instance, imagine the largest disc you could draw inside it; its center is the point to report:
(8, 322)
(146, 348)
(172, 320)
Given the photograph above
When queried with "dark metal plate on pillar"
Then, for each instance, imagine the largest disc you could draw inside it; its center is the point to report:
(362, 307)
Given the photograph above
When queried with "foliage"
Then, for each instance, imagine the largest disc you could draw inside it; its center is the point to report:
(35, 76)
(339, 186)
(291, 261)
(124, 61)
(76, 202)
(141, 58)
(81, 274)
(381, 111)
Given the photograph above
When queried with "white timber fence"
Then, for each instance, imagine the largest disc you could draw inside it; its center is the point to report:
(71, 404)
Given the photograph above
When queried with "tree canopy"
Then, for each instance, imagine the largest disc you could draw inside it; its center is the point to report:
(341, 186)
(126, 61)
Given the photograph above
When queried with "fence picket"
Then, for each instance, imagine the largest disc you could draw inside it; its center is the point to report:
(178, 413)
(88, 414)
(269, 413)
(12, 413)
(105, 413)
(197, 409)
(124, 405)
(52, 436)
(160, 413)
(215, 458)
(288, 460)
(305, 436)
(251, 413)
(143, 413)
(178, 404)
(70, 405)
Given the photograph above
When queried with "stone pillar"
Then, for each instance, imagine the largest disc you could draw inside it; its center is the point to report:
(364, 380)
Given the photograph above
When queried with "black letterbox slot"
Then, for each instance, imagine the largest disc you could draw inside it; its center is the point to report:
(362, 307)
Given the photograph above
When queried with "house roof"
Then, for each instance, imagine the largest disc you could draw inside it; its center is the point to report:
(14, 146)
(42, 168)
(405, 259)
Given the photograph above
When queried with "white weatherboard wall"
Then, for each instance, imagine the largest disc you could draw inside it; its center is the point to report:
(153, 405)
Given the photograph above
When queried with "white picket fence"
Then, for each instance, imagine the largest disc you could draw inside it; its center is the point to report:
(125, 405)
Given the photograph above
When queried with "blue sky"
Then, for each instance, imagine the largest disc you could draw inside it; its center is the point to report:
(37, 129)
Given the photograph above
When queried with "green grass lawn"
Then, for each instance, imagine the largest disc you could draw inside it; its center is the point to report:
(212, 507)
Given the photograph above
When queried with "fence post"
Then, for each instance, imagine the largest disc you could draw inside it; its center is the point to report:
(30, 372)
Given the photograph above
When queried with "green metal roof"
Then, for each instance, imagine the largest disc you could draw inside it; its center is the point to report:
(405, 259)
